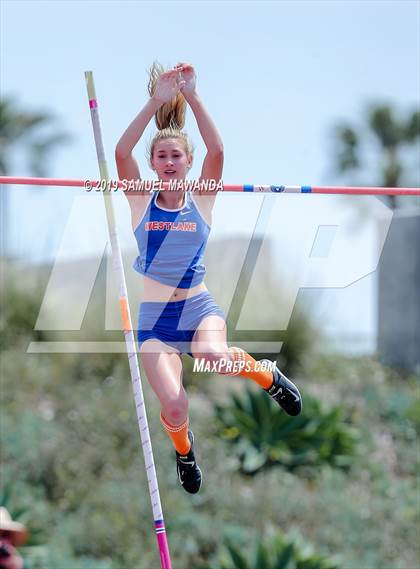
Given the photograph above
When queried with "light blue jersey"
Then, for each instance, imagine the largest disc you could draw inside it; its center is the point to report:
(171, 243)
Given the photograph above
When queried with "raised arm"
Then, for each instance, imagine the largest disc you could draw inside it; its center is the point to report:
(126, 164)
(167, 87)
(213, 162)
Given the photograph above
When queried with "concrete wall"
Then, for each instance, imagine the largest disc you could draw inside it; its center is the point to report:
(399, 294)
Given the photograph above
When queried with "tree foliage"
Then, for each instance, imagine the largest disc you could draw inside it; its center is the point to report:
(390, 135)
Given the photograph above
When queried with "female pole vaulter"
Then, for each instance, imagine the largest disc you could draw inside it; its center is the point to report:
(178, 314)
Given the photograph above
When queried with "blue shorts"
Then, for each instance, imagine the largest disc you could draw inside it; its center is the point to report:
(175, 323)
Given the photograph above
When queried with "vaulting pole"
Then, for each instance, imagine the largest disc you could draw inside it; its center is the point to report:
(160, 530)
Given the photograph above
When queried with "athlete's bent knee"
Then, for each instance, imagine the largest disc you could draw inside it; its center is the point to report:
(175, 411)
(213, 353)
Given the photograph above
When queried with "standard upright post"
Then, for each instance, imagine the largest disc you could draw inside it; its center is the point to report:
(129, 336)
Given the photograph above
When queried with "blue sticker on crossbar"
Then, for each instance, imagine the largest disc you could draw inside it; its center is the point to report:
(306, 189)
(248, 188)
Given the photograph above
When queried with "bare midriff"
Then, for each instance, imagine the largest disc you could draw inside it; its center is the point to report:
(154, 291)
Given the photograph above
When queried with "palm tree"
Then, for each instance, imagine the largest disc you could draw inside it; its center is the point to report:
(33, 132)
(391, 137)
(395, 139)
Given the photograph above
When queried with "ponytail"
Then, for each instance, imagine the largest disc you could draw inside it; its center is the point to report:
(170, 117)
(171, 114)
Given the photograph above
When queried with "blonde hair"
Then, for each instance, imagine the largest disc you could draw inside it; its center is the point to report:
(169, 118)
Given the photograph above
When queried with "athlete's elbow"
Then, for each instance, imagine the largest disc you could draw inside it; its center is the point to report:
(217, 151)
(121, 153)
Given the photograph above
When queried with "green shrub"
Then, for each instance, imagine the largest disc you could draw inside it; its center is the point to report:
(263, 436)
(21, 512)
(18, 316)
(280, 553)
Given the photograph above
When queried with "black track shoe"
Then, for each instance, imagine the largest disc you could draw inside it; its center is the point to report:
(285, 393)
(189, 473)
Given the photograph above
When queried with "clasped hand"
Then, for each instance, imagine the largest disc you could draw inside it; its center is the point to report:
(180, 78)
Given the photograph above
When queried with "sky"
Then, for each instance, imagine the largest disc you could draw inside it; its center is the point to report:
(275, 76)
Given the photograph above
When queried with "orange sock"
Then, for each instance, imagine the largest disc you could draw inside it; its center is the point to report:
(178, 435)
(264, 378)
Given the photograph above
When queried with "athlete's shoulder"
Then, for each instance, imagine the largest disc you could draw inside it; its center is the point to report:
(203, 206)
